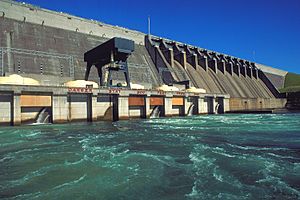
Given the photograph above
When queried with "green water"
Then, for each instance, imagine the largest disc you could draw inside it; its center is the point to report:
(201, 157)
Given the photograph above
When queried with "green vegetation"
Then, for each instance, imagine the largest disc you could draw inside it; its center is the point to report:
(292, 79)
(290, 89)
(291, 83)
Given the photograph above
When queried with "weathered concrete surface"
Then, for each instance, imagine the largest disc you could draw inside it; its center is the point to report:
(63, 33)
(60, 109)
(240, 84)
(255, 104)
(123, 108)
(6, 107)
(22, 104)
(44, 17)
(293, 101)
(54, 56)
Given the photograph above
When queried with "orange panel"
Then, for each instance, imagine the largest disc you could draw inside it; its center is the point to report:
(156, 101)
(136, 101)
(35, 101)
(177, 101)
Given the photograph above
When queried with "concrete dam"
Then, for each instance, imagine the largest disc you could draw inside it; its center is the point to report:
(42, 72)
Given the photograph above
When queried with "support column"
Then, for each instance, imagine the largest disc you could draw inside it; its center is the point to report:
(221, 66)
(87, 72)
(254, 70)
(60, 109)
(213, 64)
(195, 60)
(94, 107)
(255, 73)
(249, 71)
(10, 63)
(214, 103)
(168, 106)
(180, 56)
(6, 108)
(147, 105)
(229, 67)
(156, 56)
(17, 110)
(202, 106)
(183, 58)
(123, 107)
(236, 69)
(226, 105)
(168, 53)
(191, 56)
(243, 70)
(203, 62)
(171, 53)
(99, 70)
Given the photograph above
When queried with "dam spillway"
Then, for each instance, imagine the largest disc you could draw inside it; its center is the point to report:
(48, 47)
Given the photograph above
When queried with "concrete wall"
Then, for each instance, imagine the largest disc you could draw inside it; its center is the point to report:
(54, 56)
(202, 106)
(226, 105)
(5, 112)
(99, 109)
(5, 108)
(134, 112)
(17, 109)
(28, 27)
(211, 78)
(78, 111)
(240, 104)
(60, 109)
(70, 107)
(123, 107)
(44, 17)
(293, 101)
(168, 107)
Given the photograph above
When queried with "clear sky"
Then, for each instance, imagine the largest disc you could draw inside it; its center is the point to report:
(264, 31)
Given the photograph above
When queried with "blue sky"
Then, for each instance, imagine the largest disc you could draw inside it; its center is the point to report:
(264, 31)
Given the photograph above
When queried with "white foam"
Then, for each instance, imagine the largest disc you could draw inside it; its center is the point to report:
(71, 182)
(255, 148)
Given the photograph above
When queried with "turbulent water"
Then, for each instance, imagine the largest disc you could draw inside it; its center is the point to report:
(202, 157)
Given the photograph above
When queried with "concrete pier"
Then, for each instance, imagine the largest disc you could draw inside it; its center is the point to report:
(24, 104)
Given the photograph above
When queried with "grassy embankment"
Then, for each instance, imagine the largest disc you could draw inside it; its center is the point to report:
(291, 83)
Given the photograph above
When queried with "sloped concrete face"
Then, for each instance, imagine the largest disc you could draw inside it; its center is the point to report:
(54, 56)
(216, 73)
(258, 104)
(30, 14)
